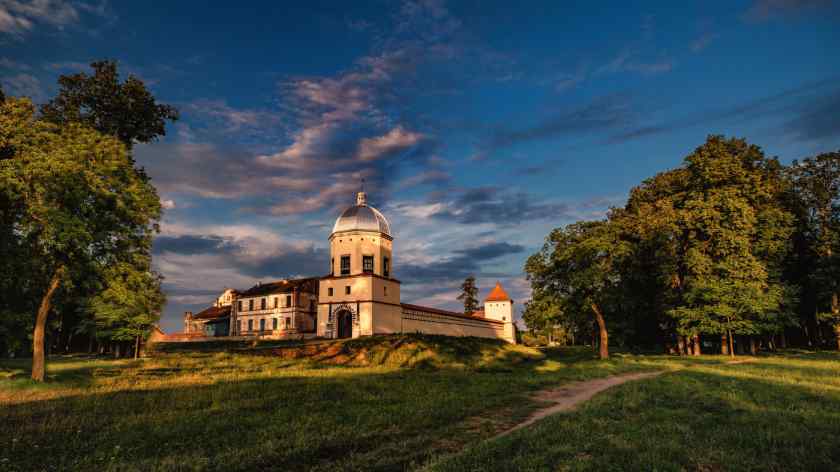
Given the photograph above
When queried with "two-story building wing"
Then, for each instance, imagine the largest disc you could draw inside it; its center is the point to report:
(281, 308)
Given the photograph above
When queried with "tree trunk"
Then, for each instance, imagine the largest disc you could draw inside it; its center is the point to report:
(90, 345)
(117, 346)
(696, 341)
(753, 346)
(137, 347)
(681, 345)
(835, 310)
(837, 334)
(724, 344)
(603, 345)
(731, 347)
(38, 362)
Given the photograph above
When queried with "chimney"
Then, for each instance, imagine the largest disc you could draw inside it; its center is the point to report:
(187, 314)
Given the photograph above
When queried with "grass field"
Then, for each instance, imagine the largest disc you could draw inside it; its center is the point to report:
(418, 402)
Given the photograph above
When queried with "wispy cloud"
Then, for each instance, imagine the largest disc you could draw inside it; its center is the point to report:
(628, 60)
(763, 10)
(20, 17)
(24, 84)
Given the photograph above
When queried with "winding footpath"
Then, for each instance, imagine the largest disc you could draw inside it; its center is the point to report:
(568, 396)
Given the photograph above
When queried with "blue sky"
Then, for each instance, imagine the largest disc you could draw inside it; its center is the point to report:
(478, 126)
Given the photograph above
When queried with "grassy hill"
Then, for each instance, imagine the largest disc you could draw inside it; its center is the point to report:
(398, 350)
(413, 402)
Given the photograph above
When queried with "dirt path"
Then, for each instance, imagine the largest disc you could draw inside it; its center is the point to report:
(569, 396)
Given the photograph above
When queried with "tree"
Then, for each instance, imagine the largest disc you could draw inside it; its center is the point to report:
(817, 192)
(578, 269)
(79, 204)
(127, 110)
(130, 303)
(469, 295)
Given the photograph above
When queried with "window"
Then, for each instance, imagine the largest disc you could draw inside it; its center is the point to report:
(347, 290)
(332, 266)
(262, 324)
(345, 265)
(274, 323)
(329, 292)
(262, 304)
(385, 291)
(250, 325)
(243, 326)
(239, 305)
(276, 301)
(367, 264)
(288, 323)
(251, 305)
(386, 269)
(288, 300)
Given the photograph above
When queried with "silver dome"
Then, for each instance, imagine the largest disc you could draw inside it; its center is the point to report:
(362, 217)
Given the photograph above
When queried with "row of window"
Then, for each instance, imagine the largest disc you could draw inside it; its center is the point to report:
(274, 323)
(367, 265)
(347, 290)
(263, 303)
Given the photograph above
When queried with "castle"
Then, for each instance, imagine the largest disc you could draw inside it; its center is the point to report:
(359, 297)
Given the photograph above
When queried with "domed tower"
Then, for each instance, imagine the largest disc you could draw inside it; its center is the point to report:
(360, 296)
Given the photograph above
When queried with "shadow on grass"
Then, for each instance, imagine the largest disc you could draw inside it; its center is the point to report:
(685, 420)
(324, 417)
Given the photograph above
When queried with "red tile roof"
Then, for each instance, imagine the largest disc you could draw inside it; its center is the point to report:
(498, 294)
(438, 311)
(212, 313)
(281, 286)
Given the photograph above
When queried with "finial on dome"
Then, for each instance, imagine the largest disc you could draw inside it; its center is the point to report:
(361, 197)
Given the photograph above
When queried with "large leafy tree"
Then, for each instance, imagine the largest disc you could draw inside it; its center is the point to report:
(469, 295)
(816, 183)
(577, 271)
(78, 205)
(126, 110)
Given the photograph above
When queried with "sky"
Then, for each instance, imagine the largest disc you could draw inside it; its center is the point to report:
(477, 126)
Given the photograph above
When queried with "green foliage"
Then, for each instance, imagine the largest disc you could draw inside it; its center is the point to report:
(705, 248)
(816, 182)
(125, 110)
(74, 210)
(469, 295)
(130, 303)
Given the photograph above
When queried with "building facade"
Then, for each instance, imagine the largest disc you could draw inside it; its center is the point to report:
(359, 297)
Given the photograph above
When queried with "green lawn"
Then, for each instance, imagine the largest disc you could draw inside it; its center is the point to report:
(237, 411)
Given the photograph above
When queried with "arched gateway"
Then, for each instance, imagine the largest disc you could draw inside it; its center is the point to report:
(345, 324)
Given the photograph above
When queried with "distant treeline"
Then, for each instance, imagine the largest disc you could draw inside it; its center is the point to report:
(731, 250)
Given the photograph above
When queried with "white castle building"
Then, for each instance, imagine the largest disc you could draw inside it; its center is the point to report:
(359, 297)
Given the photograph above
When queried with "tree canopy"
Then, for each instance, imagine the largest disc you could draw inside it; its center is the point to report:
(706, 249)
(77, 216)
(126, 110)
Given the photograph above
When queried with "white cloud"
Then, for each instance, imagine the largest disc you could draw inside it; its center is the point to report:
(6, 63)
(396, 140)
(24, 85)
(19, 17)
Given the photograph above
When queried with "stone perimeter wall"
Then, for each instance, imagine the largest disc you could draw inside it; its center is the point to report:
(417, 320)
